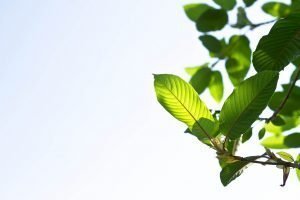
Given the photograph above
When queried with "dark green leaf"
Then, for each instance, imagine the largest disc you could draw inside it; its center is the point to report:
(216, 87)
(200, 80)
(290, 107)
(247, 135)
(232, 171)
(281, 46)
(278, 121)
(292, 140)
(212, 20)
(194, 11)
(249, 2)
(276, 9)
(238, 63)
(182, 102)
(227, 4)
(192, 70)
(211, 43)
(261, 133)
(246, 103)
(242, 19)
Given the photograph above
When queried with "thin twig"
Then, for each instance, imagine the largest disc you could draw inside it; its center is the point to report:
(254, 26)
(293, 83)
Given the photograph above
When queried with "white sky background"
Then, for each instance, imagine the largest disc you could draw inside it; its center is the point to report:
(78, 114)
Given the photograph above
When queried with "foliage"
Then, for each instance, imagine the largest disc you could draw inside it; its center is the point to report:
(253, 95)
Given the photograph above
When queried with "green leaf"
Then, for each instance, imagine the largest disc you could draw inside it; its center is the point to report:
(298, 170)
(249, 3)
(290, 122)
(242, 19)
(286, 156)
(192, 70)
(274, 142)
(232, 171)
(278, 121)
(194, 11)
(247, 135)
(226, 5)
(216, 87)
(281, 46)
(182, 102)
(200, 80)
(292, 140)
(276, 9)
(239, 58)
(211, 43)
(246, 102)
(261, 133)
(212, 20)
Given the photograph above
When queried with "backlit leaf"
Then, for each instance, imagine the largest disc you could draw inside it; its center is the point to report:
(200, 80)
(216, 87)
(227, 4)
(211, 43)
(194, 11)
(286, 156)
(212, 20)
(276, 9)
(246, 103)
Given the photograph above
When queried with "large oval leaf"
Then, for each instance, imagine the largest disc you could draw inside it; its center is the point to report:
(212, 20)
(281, 46)
(246, 103)
(194, 11)
(181, 100)
(232, 171)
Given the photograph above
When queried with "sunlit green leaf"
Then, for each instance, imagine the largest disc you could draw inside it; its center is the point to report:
(298, 170)
(246, 103)
(281, 46)
(274, 142)
(182, 102)
(261, 133)
(211, 43)
(216, 87)
(212, 20)
(200, 80)
(192, 70)
(249, 2)
(194, 11)
(239, 54)
(276, 9)
(227, 4)
(290, 122)
(247, 135)
(286, 156)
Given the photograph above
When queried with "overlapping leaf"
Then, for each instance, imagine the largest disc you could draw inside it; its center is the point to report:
(277, 9)
(216, 87)
(232, 171)
(246, 103)
(194, 11)
(181, 101)
(227, 4)
(281, 46)
(212, 20)
(200, 79)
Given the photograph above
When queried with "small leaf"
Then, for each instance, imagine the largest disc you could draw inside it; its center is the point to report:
(261, 133)
(232, 171)
(182, 102)
(298, 170)
(211, 43)
(247, 135)
(192, 70)
(286, 172)
(212, 20)
(281, 46)
(278, 121)
(286, 156)
(276, 9)
(194, 11)
(227, 5)
(200, 80)
(239, 58)
(246, 103)
(242, 19)
(249, 3)
(216, 87)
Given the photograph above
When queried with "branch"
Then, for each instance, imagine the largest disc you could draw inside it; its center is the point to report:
(254, 26)
(293, 83)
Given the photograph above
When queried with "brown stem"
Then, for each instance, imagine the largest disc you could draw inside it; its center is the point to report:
(293, 83)
(254, 26)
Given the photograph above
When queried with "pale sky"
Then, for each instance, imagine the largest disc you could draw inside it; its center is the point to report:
(78, 115)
